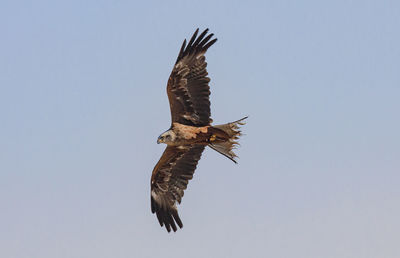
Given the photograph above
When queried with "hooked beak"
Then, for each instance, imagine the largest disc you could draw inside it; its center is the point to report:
(158, 140)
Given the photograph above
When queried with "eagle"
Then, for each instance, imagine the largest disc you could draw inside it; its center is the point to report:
(190, 131)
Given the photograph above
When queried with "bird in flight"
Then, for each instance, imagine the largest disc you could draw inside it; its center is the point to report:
(190, 132)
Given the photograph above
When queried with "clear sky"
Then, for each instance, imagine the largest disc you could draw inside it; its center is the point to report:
(82, 102)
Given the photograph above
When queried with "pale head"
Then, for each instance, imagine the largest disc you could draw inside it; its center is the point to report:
(167, 137)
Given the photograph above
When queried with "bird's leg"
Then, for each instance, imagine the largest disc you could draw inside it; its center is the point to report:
(213, 137)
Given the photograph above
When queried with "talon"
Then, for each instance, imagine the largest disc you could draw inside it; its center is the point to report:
(213, 137)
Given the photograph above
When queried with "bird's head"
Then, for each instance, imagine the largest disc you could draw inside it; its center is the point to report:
(167, 137)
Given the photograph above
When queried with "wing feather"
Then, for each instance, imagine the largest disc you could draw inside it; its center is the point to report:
(170, 178)
(188, 90)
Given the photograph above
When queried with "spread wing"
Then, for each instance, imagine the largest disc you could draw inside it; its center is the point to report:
(169, 179)
(188, 90)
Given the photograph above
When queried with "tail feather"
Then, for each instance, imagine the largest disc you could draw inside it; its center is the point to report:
(227, 145)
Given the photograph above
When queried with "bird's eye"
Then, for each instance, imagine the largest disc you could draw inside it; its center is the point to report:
(168, 136)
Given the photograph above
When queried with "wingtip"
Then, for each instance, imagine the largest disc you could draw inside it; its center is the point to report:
(197, 43)
(167, 217)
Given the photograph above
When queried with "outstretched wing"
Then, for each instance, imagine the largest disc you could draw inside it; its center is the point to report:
(169, 179)
(188, 90)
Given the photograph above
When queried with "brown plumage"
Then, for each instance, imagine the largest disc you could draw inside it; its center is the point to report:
(169, 179)
(190, 132)
(187, 88)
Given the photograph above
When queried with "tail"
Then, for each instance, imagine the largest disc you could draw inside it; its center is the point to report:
(225, 137)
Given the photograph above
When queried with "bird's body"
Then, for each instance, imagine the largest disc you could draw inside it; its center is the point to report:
(186, 134)
(190, 132)
(180, 134)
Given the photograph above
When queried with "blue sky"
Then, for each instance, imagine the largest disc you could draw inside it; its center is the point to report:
(83, 101)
